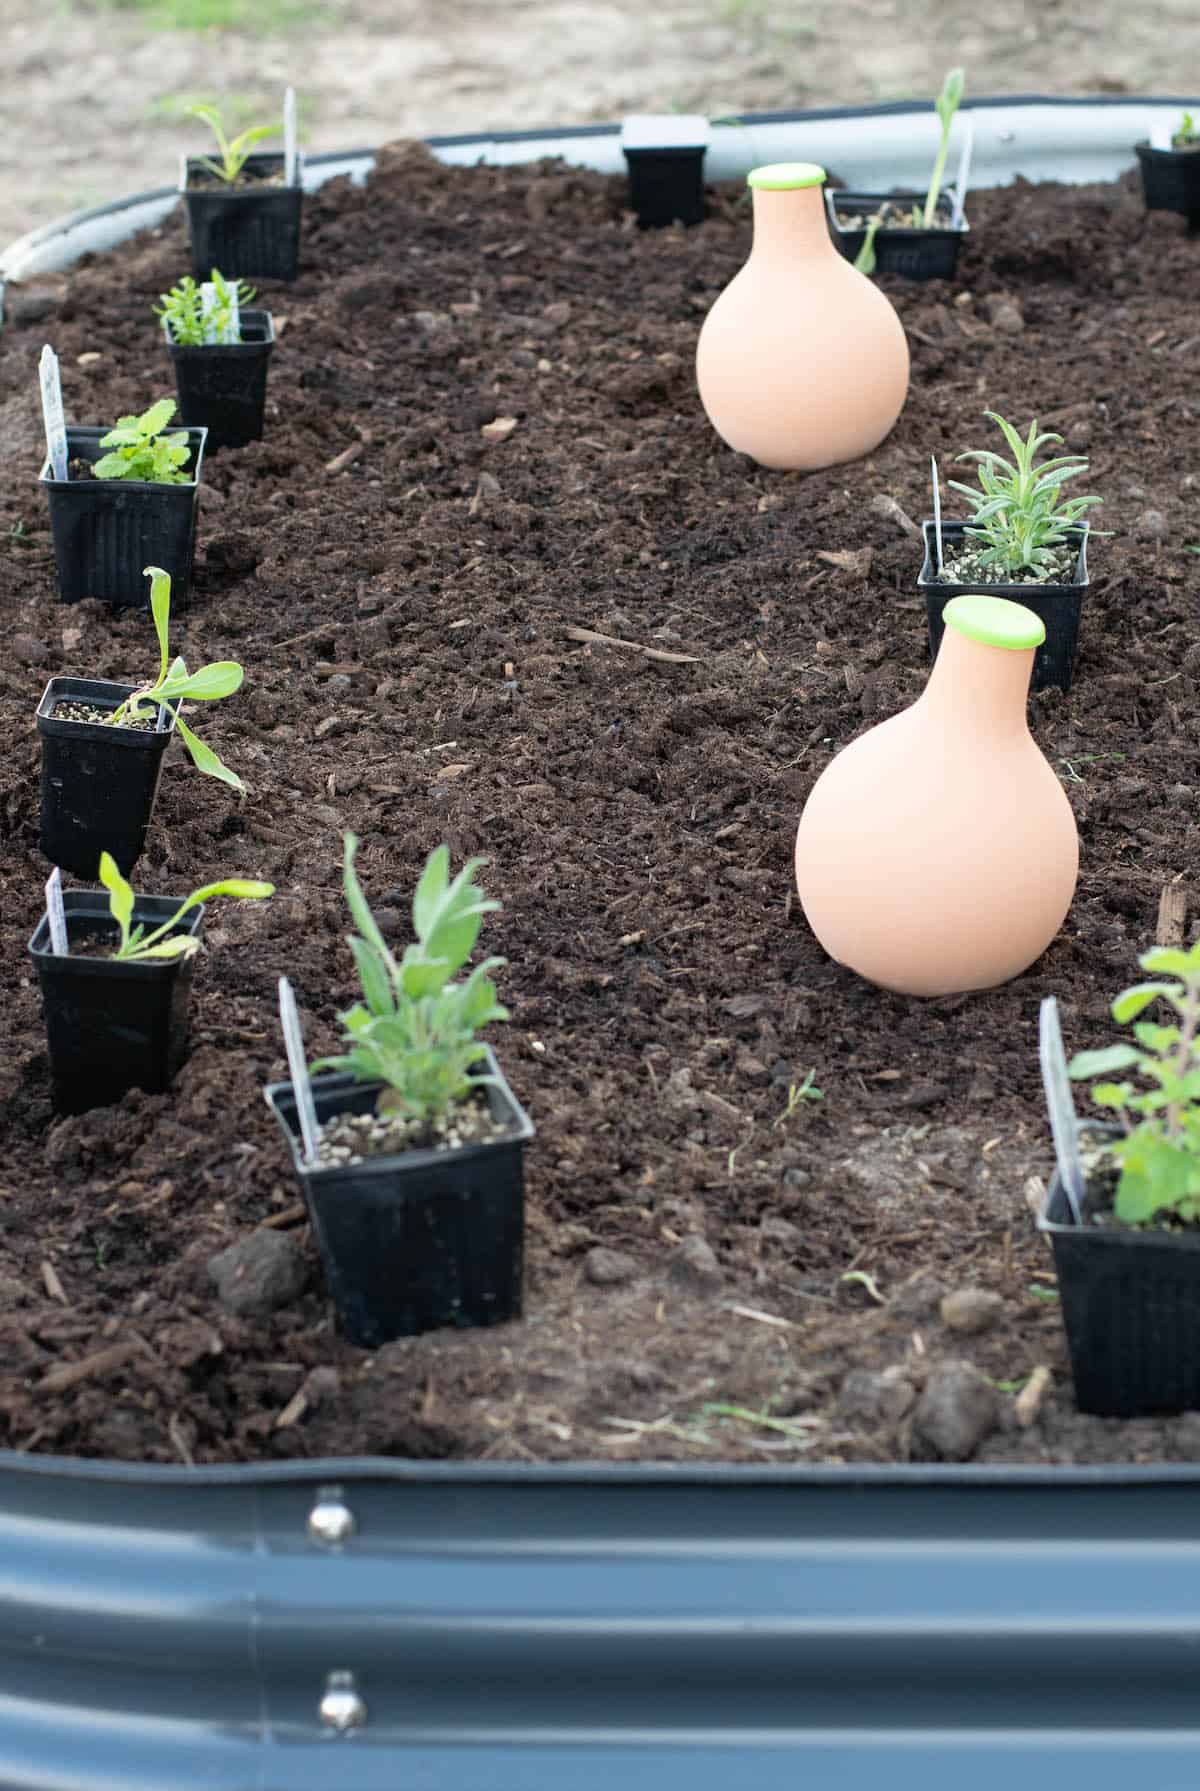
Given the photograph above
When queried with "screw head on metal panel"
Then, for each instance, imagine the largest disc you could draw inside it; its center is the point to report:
(331, 1521)
(342, 1706)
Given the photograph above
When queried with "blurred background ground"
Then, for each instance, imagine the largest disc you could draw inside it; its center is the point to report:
(94, 90)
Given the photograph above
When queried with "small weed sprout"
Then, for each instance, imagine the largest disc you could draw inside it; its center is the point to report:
(233, 152)
(182, 310)
(1020, 517)
(1159, 1155)
(137, 945)
(798, 1093)
(175, 682)
(140, 450)
(415, 1029)
(1186, 136)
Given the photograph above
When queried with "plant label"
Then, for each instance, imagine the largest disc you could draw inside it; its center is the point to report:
(289, 137)
(964, 175)
(293, 1040)
(937, 514)
(1160, 136)
(1060, 1105)
(56, 914)
(183, 171)
(220, 326)
(52, 413)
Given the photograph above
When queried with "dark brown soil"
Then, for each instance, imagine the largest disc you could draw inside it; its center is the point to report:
(417, 597)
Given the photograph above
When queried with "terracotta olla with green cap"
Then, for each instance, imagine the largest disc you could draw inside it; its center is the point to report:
(938, 852)
(801, 362)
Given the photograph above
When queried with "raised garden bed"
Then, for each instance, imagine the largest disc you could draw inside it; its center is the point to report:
(416, 588)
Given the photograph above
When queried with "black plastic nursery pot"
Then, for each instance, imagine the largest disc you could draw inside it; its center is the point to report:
(112, 1026)
(665, 159)
(1131, 1311)
(107, 531)
(222, 386)
(1058, 607)
(1171, 180)
(901, 249)
(251, 231)
(421, 1240)
(98, 782)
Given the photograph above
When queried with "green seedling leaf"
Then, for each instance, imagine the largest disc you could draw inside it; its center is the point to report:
(1135, 1001)
(205, 685)
(860, 1278)
(120, 897)
(360, 913)
(376, 985)
(1102, 1063)
(205, 759)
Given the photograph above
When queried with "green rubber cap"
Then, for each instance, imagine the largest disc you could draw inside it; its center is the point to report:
(782, 177)
(995, 621)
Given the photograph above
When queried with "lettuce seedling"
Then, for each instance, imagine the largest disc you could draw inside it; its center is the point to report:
(233, 152)
(175, 682)
(415, 1028)
(1159, 1155)
(138, 945)
(142, 451)
(1020, 516)
(190, 326)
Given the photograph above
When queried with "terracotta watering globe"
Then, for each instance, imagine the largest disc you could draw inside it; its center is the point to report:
(938, 852)
(802, 362)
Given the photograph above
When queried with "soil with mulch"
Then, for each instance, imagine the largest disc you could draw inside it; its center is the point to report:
(495, 581)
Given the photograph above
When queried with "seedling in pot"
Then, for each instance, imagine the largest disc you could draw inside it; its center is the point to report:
(233, 152)
(136, 944)
(909, 213)
(175, 684)
(1021, 518)
(415, 1029)
(1158, 1156)
(1186, 136)
(141, 451)
(207, 314)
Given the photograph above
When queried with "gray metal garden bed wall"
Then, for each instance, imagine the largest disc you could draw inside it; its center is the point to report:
(510, 1629)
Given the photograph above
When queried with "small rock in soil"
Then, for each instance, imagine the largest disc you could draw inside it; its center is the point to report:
(883, 504)
(608, 1268)
(775, 1230)
(971, 1309)
(12, 1292)
(259, 1273)
(958, 1408)
(875, 1398)
(1004, 314)
(1151, 525)
(694, 1265)
(322, 1385)
(26, 649)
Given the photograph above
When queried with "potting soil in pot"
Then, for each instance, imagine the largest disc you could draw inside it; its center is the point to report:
(496, 582)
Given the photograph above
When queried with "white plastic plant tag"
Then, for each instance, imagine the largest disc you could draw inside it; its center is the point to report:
(208, 306)
(1160, 136)
(293, 1041)
(52, 413)
(937, 515)
(183, 171)
(1060, 1105)
(56, 914)
(289, 137)
(964, 175)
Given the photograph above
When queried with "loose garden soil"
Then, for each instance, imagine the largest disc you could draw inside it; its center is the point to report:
(495, 581)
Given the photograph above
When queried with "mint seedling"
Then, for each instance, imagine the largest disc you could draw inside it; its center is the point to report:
(140, 450)
(1159, 1156)
(175, 682)
(415, 1028)
(1020, 517)
(233, 152)
(138, 945)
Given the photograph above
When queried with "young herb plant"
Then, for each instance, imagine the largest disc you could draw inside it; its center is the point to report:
(140, 450)
(233, 153)
(1186, 136)
(1159, 1155)
(175, 682)
(1020, 517)
(138, 945)
(415, 1028)
(190, 326)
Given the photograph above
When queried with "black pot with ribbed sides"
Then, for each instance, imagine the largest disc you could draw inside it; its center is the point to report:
(1171, 180)
(1130, 1299)
(1057, 606)
(107, 531)
(418, 1240)
(222, 386)
(99, 782)
(916, 252)
(111, 1025)
(249, 228)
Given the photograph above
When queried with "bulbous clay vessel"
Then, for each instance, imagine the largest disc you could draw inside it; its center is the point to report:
(938, 853)
(801, 362)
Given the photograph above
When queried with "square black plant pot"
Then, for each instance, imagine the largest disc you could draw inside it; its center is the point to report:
(1131, 1310)
(222, 386)
(1058, 607)
(421, 1240)
(112, 1026)
(1171, 180)
(98, 782)
(665, 158)
(107, 531)
(251, 230)
(918, 254)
